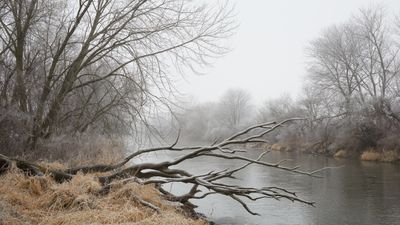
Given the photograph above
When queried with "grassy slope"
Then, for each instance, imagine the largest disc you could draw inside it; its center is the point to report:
(39, 200)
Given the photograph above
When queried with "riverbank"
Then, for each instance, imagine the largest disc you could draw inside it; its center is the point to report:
(370, 154)
(40, 200)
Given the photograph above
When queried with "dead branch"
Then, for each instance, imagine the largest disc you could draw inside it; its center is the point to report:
(163, 173)
(32, 168)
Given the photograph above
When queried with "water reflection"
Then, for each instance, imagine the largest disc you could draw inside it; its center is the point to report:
(359, 193)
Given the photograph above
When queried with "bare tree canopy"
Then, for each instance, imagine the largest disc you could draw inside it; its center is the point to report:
(235, 108)
(358, 60)
(74, 65)
(352, 92)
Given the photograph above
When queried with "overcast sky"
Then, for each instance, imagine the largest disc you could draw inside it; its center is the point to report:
(268, 57)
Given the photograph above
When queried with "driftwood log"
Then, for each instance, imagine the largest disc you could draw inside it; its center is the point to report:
(163, 173)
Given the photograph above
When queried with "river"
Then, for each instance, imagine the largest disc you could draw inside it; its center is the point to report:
(357, 193)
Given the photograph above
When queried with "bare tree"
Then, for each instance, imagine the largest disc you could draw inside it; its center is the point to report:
(234, 108)
(355, 67)
(334, 66)
(379, 59)
(88, 62)
(279, 108)
(16, 20)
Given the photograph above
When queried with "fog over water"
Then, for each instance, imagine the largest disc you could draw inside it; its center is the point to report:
(354, 193)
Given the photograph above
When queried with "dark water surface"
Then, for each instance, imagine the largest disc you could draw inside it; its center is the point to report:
(360, 193)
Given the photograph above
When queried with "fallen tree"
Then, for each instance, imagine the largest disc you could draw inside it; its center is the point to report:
(165, 172)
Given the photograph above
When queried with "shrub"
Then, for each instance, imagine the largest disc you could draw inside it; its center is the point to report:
(78, 150)
(74, 150)
(389, 156)
(13, 131)
(14, 127)
(390, 141)
(371, 155)
(368, 135)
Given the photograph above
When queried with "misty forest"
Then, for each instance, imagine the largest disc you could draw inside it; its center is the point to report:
(95, 128)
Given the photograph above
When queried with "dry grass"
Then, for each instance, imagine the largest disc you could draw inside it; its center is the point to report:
(100, 150)
(389, 156)
(79, 150)
(277, 147)
(371, 155)
(341, 154)
(39, 200)
(266, 146)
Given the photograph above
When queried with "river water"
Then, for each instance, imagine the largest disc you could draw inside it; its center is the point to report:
(357, 193)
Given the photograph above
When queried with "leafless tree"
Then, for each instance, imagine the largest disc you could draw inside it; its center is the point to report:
(355, 67)
(357, 60)
(379, 59)
(97, 62)
(234, 108)
(334, 66)
(279, 108)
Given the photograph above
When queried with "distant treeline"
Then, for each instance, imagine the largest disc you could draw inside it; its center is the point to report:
(351, 96)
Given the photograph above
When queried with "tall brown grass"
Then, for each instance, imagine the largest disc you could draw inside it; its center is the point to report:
(277, 147)
(341, 154)
(383, 156)
(39, 200)
(371, 155)
(389, 156)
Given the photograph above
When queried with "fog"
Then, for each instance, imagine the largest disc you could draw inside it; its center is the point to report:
(210, 89)
(267, 55)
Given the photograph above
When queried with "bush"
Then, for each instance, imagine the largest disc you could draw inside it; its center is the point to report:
(389, 156)
(13, 131)
(367, 135)
(78, 150)
(390, 141)
(14, 127)
(371, 155)
(73, 150)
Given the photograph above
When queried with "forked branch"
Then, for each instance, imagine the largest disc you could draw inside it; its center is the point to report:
(203, 185)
